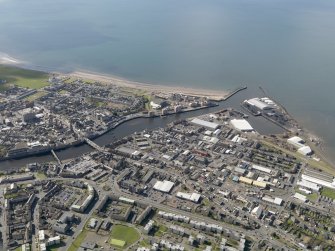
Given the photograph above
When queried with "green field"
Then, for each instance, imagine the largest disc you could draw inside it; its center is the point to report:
(124, 233)
(328, 192)
(22, 77)
(36, 96)
(77, 242)
(118, 243)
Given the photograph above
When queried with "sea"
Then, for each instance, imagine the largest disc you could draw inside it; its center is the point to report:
(285, 46)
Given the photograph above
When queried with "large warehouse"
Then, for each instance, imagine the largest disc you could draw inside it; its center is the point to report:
(164, 186)
(256, 102)
(209, 125)
(241, 125)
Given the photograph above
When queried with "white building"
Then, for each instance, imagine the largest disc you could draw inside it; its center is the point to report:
(241, 125)
(164, 186)
(305, 150)
(194, 197)
(258, 103)
(296, 141)
(301, 197)
(209, 125)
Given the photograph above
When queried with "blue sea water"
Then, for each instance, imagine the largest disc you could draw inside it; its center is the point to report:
(285, 46)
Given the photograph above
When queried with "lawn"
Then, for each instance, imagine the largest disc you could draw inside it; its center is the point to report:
(41, 176)
(22, 77)
(160, 230)
(36, 96)
(124, 233)
(312, 197)
(328, 192)
(77, 242)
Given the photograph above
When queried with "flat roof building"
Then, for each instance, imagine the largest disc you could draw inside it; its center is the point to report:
(258, 103)
(301, 197)
(194, 197)
(209, 125)
(164, 186)
(241, 125)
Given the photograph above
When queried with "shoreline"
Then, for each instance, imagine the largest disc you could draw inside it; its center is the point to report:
(216, 95)
(121, 82)
(153, 88)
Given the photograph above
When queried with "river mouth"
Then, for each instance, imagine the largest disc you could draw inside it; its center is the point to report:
(261, 125)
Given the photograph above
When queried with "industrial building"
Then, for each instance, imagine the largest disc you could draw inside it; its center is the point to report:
(318, 178)
(194, 197)
(305, 150)
(209, 125)
(309, 185)
(258, 103)
(241, 125)
(301, 197)
(296, 141)
(261, 168)
(163, 186)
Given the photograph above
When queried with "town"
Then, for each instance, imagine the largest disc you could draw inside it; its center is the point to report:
(210, 182)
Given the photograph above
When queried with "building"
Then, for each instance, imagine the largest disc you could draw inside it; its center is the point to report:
(53, 241)
(261, 168)
(204, 123)
(241, 125)
(81, 208)
(149, 226)
(309, 185)
(194, 197)
(60, 228)
(296, 141)
(318, 178)
(246, 180)
(260, 184)
(305, 150)
(164, 186)
(258, 103)
(257, 212)
(301, 197)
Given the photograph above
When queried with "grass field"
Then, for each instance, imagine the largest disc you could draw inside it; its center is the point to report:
(36, 96)
(77, 242)
(124, 233)
(22, 77)
(328, 192)
(312, 197)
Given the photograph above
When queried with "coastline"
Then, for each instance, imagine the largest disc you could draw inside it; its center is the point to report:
(121, 82)
(153, 88)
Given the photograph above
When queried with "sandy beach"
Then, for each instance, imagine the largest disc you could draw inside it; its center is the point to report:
(7, 60)
(212, 94)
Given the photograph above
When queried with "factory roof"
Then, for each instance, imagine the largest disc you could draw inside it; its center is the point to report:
(194, 197)
(205, 123)
(258, 103)
(241, 124)
(164, 186)
(305, 150)
(299, 196)
(296, 141)
(261, 168)
(318, 181)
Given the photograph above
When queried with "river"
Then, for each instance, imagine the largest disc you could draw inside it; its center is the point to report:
(262, 126)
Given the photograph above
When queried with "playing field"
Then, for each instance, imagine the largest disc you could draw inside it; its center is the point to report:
(119, 243)
(122, 233)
